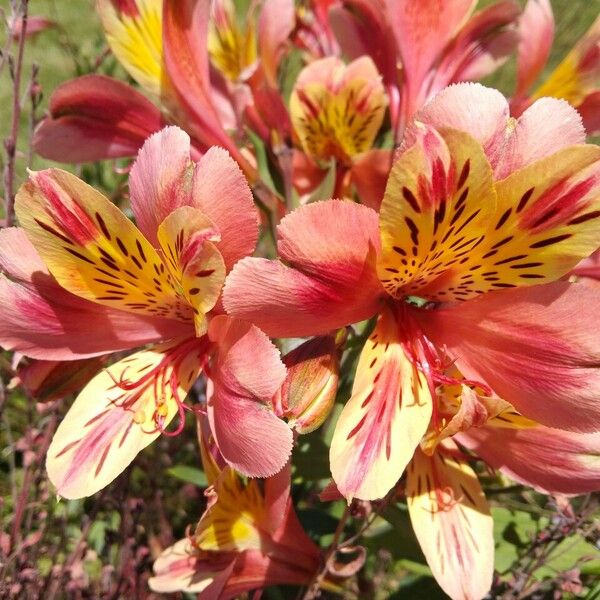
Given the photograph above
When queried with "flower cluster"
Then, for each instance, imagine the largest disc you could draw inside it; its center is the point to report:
(329, 171)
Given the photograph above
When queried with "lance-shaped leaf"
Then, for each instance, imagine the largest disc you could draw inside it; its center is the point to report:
(120, 412)
(384, 420)
(452, 521)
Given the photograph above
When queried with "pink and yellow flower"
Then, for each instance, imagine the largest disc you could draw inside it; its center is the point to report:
(88, 282)
(249, 537)
(482, 213)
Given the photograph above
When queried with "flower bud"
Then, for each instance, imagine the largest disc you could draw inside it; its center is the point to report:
(48, 380)
(308, 392)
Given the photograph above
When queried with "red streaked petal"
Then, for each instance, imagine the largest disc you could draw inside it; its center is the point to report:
(118, 413)
(384, 420)
(452, 521)
(95, 117)
(549, 460)
(43, 320)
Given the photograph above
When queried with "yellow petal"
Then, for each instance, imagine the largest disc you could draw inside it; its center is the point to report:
(452, 521)
(93, 250)
(235, 517)
(119, 412)
(134, 33)
(194, 262)
(437, 209)
(545, 223)
(384, 420)
(578, 73)
(337, 110)
(231, 40)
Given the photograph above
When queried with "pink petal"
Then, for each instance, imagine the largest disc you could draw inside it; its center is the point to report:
(246, 374)
(536, 28)
(157, 180)
(42, 320)
(535, 347)
(481, 46)
(275, 24)
(328, 279)
(422, 29)
(550, 460)
(185, 26)
(221, 192)
(95, 117)
(370, 174)
(160, 182)
(546, 127)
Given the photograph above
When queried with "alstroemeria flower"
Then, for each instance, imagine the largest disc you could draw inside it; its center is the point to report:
(247, 538)
(446, 503)
(576, 78)
(478, 203)
(337, 109)
(86, 281)
(231, 44)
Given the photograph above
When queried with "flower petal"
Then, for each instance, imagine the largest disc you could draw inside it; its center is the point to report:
(547, 126)
(275, 25)
(330, 248)
(550, 460)
(422, 29)
(536, 28)
(452, 521)
(236, 517)
(120, 412)
(177, 570)
(480, 47)
(370, 174)
(42, 320)
(436, 211)
(194, 262)
(185, 27)
(246, 374)
(95, 117)
(384, 420)
(534, 347)
(93, 250)
(577, 74)
(160, 182)
(546, 222)
(134, 33)
(221, 192)
(337, 109)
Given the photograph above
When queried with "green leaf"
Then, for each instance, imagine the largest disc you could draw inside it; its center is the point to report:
(263, 163)
(324, 191)
(189, 475)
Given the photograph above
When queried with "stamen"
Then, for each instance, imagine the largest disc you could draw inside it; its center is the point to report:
(164, 381)
(429, 360)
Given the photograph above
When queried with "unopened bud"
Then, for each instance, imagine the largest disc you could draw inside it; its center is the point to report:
(308, 392)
